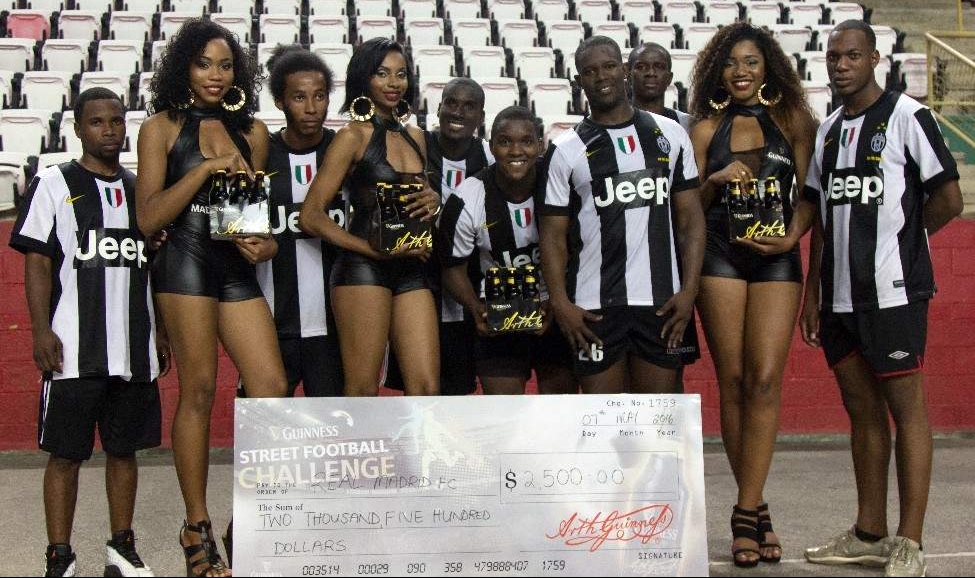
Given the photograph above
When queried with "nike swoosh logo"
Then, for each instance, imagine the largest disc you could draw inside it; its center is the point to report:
(71, 200)
(590, 153)
(488, 225)
(826, 144)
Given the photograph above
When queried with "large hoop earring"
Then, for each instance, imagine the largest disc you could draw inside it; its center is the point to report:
(188, 103)
(767, 102)
(239, 104)
(356, 106)
(719, 106)
(403, 111)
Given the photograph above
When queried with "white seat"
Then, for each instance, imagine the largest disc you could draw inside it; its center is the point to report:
(156, 50)
(265, 50)
(425, 31)
(815, 66)
(882, 71)
(129, 160)
(265, 99)
(821, 34)
(521, 33)
(328, 29)
(67, 139)
(593, 10)
(12, 178)
(373, 7)
(99, 5)
(434, 60)
(25, 130)
(237, 22)
(50, 90)
(805, 14)
(282, 6)
(142, 90)
(565, 35)
(681, 12)
(130, 25)
(45, 160)
(65, 54)
(431, 92)
(376, 27)
(133, 123)
(618, 31)
(336, 99)
(762, 12)
(662, 33)
(671, 97)
(549, 95)
(484, 61)
(556, 124)
(548, 10)
(418, 8)
(886, 39)
(697, 36)
(249, 6)
(914, 69)
(840, 11)
(506, 9)
(637, 12)
(820, 98)
(336, 55)
(454, 9)
(499, 93)
(471, 31)
(274, 119)
(17, 54)
(327, 7)
(535, 62)
(117, 82)
(48, 6)
(720, 12)
(171, 22)
(198, 6)
(792, 38)
(120, 55)
(280, 28)
(682, 65)
(6, 87)
(83, 24)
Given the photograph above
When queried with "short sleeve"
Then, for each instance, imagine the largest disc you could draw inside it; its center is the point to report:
(34, 230)
(555, 186)
(926, 145)
(459, 224)
(812, 191)
(686, 176)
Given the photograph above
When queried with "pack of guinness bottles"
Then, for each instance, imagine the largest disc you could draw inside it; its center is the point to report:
(393, 227)
(239, 206)
(755, 209)
(512, 299)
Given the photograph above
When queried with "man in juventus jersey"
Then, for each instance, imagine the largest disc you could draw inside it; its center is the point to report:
(93, 322)
(619, 193)
(650, 76)
(492, 217)
(295, 281)
(883, 181)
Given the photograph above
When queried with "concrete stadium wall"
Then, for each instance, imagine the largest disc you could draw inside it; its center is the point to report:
(810, 400)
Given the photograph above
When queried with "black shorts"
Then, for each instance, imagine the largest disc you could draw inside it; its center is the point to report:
(722, 258)
(628, 330)
(518, 354)
(457, 357)
(128, 416)
(892, 340)
(191, 264)
(397, 275)
(315, 362)
(690, 347)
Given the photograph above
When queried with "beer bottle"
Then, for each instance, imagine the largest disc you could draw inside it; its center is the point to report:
(735, 201)
(387, 205)
(531, 285)
(773, 198)
(239, 187)
(512, 286)
(259, 192)
(219, 190)
(751, 195)
(493, 291)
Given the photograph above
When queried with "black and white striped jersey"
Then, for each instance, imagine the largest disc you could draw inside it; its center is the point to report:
(870, 176)
(101, 302)
(680, 117)
(479, 219)
(295, 281)
(446, 175)
(615, 184)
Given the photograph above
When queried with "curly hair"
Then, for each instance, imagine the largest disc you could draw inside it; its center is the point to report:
(364, 64)
(288, 59)
(779, 73)
(170, 84)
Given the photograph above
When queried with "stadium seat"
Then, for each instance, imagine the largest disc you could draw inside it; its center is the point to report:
(672, 97)
(50, 90)
(662, 33)
(49, 6)
(336, 55)
(130, 25)
(535, 62)
(376, 27)
(762, 12)
(45, 160)
(594, 10)
(882, 71)
(506, 9)
(424, 30)
(171, 22)
(499, 93)
(336, 99)
(454, 9)
(821, 34)
(336, 123)
(680, 12)
(25, 131)
(65, 55)
(34, 24)
(102, 6)
(273, 118)
(373, 8)
(282, 6)
(83, 24)
(431, 92)
(237, 22)
(264, 52)
(328, 29)
(548, 10)
(129, 160)
(618, 31)
(914, 70)
(805, 14)
(565, 35)
(820, 98)
(815, 66)
(434, 60)
(637, 12)
(518, 33)
(840, 11)
(556, 124)
(133, 123)
(17, 54)
(418, 8)
(117, 82)
(12, 178)
(471, 31)
(720, 12)
(886, 39)
(120, 55)
(67, 139)
(6, 88)
(265, 100)
(484, 61)
(549, 96)
(142, 90)
(327, 8)
(792, 38)
(156, 51)
(198, 6)
(682, 65)
(280, 28)
(697, 36)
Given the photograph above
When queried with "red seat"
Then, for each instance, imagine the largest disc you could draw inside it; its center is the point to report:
(28, 24)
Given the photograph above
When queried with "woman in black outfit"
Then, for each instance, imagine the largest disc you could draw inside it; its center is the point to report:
(204, 95)
(754, 122)
(377, 298)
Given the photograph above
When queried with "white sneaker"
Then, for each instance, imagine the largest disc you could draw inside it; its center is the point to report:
(121, 559)
(906, 558)
(848, 549)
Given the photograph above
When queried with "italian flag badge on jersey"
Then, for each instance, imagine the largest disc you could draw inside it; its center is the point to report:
(303, 174)
(115, 196)
(453, 178)
(523, 217)
(848, 135)
(627, 144)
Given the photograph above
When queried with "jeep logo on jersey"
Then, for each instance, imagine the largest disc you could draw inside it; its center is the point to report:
(115, 196)
(530, 255)
(109, 248)
(633, 190)
(626, 144)
(523, 217)
(844, 189)
(285, 217)
(453, 178)
(303, 173)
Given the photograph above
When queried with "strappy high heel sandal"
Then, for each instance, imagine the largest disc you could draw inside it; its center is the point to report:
(210, 563)
(765, 528)
(744, 525)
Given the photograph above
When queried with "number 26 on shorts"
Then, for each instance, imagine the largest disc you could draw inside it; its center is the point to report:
(595, 353)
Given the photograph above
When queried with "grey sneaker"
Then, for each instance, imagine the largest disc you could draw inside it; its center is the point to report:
(848, 549)
(906, 558)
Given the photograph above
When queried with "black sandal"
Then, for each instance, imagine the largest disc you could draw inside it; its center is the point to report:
(765, 528)
(210, 563)
(744, 524)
